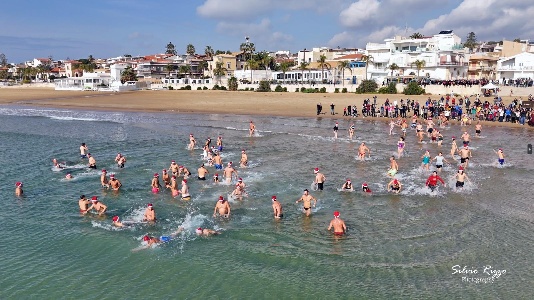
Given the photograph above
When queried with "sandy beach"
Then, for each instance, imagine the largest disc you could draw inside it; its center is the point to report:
(216, 102)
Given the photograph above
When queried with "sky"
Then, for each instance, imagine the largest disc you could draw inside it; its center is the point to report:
(76, 29)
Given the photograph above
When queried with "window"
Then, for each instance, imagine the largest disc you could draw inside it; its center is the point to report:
(228, 65)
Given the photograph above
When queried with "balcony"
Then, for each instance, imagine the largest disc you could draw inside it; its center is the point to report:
(516, 68)
(453, 64)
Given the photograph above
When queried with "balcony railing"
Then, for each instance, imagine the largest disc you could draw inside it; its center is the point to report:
(516, 68)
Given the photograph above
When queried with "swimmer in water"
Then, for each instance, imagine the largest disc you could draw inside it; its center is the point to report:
(394, 186)
(217, 161)
(237, 193)
(121, 160)
(97, 205)
(336, 128)
(393, 167)
(150, 214)
(202, 172)
(104, 179)
(277, 208)
(114, 183)
(306, 198)
(362, 150)
(251, 129)
(206, 232)
(155, 185)
(185, 191)
(404, 127)
(216, 178)
(439, 161)
(117, 221)
(432, 181)
(174, 168)
(339, 225)
(192, 142)
(56, 164)
(454, 147)
(18, 189)
(365, 188)
(174, 187)
(465, 138)
(400, 146)
(478, 129)
(500, 154)
(244, 159)
(319, 179)
(219, 144)
(347, 186)
(166, 178)
(229, 171)
(351, 131)
(222, 207)
(461, 177)
(68, 176)
(465, 153)
(84, 204)
(92, 161)
(83, 150)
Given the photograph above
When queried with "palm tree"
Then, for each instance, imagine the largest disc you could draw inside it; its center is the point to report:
(303, 67)
(190, 50)
(128, 75)
(342, 66)
(184, 69)
(169, 68)
(232, 84)
(219, 71)
(202, 65)
(209, 51)
(416, 35)
(252, 64)
(393, 67)
(171, 50)
(284, 67)
(368, 59)
(247, 48)
(419, 64)
(323, 64)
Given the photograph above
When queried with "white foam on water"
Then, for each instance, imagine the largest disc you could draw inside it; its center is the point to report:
(105, 226)
(72, 118)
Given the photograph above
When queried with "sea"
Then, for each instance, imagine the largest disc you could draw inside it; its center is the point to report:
(474, 243)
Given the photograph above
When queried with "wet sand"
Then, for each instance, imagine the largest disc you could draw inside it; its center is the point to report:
(214, 102)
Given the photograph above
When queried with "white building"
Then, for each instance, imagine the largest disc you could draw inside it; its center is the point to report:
(99, 81)
(442, 53)
(516, 67)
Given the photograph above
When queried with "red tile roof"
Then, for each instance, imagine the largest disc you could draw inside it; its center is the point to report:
(356, 56)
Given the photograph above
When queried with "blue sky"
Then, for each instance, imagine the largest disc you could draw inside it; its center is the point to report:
(76, 29)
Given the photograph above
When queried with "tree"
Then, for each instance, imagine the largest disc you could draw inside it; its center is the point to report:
(247, 48)
(303, 67)
(413, 88)
(171, 50)
(202, 65)
(393, 67)
(416, 35)
(169, 68)
(232, 84)
(128, 74)
(366, 87)
(208, 51)
(190, 50)
(252, 64)
(184, 69)
(419, 64)
(368, 59)
(342, 66)
(3, 75)
(471, 41)
(284, 67)
(3, 60)
(518, 40)
(219, 71)
(323, 64)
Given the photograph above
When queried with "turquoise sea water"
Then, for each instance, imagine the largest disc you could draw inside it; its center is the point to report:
(398, 246)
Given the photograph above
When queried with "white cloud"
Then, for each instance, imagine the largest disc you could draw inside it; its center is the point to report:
(359, 13)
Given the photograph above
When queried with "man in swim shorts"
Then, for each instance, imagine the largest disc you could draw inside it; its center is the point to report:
(150, 214)
(306, 199)
(228, 172)
(244, 159)
(92, 161)
(192, 142)
(439, 161)
(165, 177)
(222, 207)
(465, 138)
(121, 160)
(277, 208)
(114, 183)
(461, 177)
(336, 128)
(97, 205)
(83, 150)
(202, 172)
(217, 161)
(18, 189)
(465, 153)
(219, 144)
(393, 167)
(319, 179)
(500, 154)
(394, 186)
(84, 204)
(362, 150)
(104, 179)
(185, 191)
(174, 168)
(478, 129)
(339, 225)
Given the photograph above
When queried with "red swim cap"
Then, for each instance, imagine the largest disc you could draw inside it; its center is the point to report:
(115, 219)
(156, 175)
(221, 198)
(184, 180)
(146, 238)
(273, 198)
(18, 183)
(336, 214)
(149, 205)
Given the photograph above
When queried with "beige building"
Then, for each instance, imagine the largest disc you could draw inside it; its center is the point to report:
(228, 62)
(482, 67)
(510, 48)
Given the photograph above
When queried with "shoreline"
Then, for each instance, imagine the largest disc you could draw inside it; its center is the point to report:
(213, 102)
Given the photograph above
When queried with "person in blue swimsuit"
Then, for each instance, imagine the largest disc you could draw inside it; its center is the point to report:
(426, 161)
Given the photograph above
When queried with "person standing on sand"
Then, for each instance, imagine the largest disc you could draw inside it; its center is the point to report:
(319, 179)
(339, 225)
(83, 150)
(362, 150)
(277, 208)
(222, 207)
(306, 200)
(332, 108)
(251, 129)
(319, 108)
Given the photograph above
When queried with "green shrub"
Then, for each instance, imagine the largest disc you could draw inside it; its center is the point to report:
(413, 89)
(222, 88)
(343, 90)
(336, 90)
(170, 88)
(187, 87)
(246, 89)
(199, 89)
(278, 88)
(297, 90)
(232, 84)
(366, 87)
(252, 89)
(390, 89)
(265, 86)
(322, 90)
(284, 90)
(205, 88)
(215, 87)
(302, 89)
